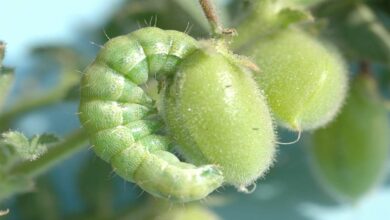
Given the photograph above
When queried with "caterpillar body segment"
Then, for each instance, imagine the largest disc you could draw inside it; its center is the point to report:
(122, 120)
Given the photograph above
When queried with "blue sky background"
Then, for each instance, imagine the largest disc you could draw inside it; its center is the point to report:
(24, 23)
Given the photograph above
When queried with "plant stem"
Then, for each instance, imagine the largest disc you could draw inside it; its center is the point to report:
(216, 28)
(56, 154)
(211, 16)
(24, 106)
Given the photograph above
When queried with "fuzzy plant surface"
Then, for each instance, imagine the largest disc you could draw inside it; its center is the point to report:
(351, 154)
(158, 209)
(217, 114)
(304, 81)
(303, 78)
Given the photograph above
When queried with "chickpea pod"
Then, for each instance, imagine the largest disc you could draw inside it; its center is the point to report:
(350, 155)
(305, 82)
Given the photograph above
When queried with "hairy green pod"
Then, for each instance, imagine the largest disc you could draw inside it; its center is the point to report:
(305, 82)
(217, 115)
(157, 209)
(188, 212)
(351, 153)
(122, 120)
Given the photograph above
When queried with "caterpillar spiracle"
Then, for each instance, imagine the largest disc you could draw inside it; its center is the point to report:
(127, 129)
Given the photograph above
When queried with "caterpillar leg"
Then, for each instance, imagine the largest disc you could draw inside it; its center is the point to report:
(123, 123)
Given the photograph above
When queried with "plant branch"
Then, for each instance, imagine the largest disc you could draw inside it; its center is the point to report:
(27, 105)
(56, 154)
(24, 106)
(211, 16)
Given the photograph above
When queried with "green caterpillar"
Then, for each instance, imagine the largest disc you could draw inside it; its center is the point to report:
(127, 130)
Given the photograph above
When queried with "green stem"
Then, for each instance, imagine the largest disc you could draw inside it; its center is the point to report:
(70, 145)
(24, 106)
(68, 80)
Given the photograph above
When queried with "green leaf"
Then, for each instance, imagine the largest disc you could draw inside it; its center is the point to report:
(357, 30)
(15, 139)
(28, 149)
(22, 145)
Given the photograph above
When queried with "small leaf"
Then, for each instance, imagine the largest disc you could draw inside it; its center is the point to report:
(15, 139)
(22, 146)
(28, 150)
(357, 30)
